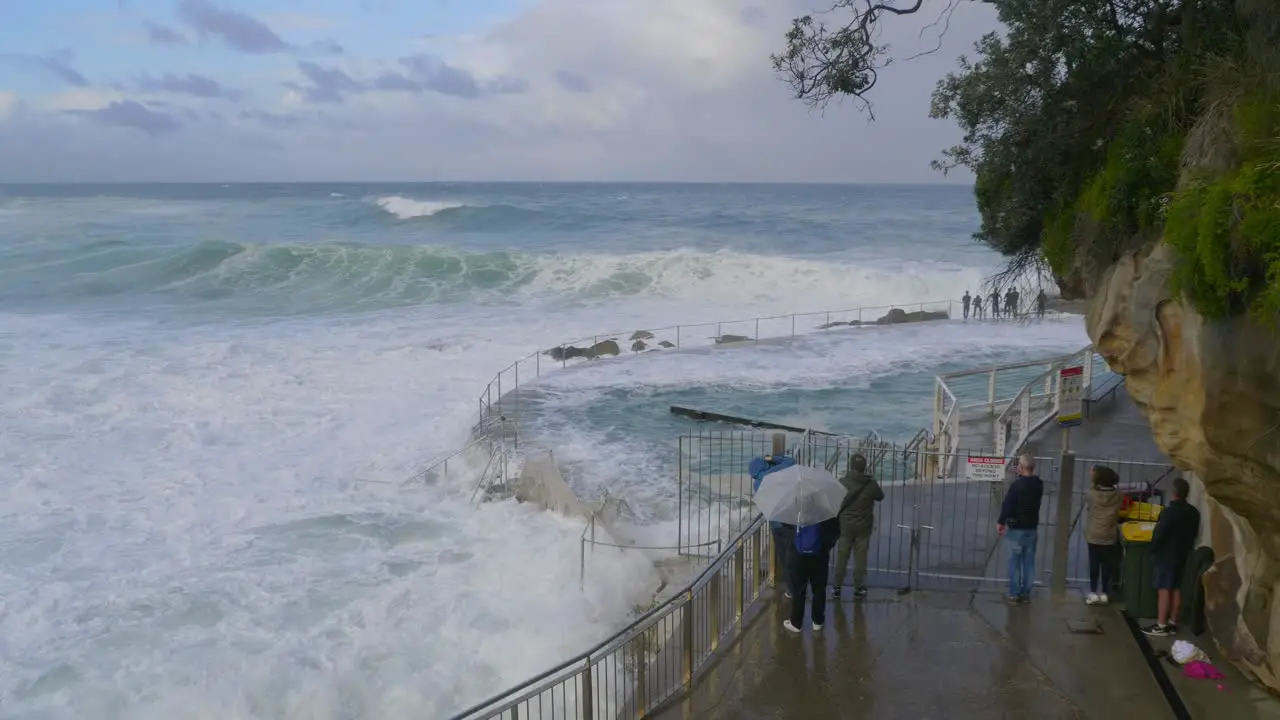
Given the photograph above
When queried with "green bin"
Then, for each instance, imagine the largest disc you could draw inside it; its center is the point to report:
(1137, 574)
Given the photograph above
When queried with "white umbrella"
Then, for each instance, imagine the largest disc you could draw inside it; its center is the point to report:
(799, 495)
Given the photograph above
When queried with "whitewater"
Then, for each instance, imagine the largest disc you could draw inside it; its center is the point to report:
(200, 382)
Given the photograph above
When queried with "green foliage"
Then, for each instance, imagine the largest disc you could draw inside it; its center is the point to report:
(1075, 117)
(1227, 228)
(1057, 242)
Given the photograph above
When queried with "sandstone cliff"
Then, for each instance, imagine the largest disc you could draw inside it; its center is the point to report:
(1211, 390)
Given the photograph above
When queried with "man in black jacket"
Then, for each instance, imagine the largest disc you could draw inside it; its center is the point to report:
(1171, 544)
(810, 562)
(1019, 523)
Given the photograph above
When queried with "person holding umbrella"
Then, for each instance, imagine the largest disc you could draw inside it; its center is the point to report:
(784, 534)
(810, 498)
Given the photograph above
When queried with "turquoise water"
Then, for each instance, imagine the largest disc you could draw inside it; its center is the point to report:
(196, 381)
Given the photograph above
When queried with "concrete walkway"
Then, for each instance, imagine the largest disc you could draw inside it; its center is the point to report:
(929, 655)
(962, 653)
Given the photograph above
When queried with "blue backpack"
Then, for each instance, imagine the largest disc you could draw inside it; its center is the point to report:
(809, 540)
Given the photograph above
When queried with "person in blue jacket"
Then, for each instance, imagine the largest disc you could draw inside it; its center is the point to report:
(784, 535)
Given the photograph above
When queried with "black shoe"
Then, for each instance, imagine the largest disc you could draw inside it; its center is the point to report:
(1012, 599)
(1172, 628)
(1024, 598)
(835, 593)
(1157, 630)
(860, 593)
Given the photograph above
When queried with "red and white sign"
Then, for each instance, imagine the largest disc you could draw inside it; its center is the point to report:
(984, 469)
(1070, 396)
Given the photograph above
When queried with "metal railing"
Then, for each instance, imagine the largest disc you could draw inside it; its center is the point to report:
(501, 396)
(930, 532)
(657, 655)
(1013, 399)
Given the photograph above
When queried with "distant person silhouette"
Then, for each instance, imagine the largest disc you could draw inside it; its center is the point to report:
(1041, 302)
(977, 308)
(995, 304)
(1011, 303)
(965, 302)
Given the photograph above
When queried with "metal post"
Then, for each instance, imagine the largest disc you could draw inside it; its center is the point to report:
(773, 565)
(1062, 532)
(516, 413)
(499, 393)
(937, 406)
(793, 324)
(641, 663)
(582, 563)
(714, 600)
(991, 393)
(677, 337)
(859, 316)
(686, 620)
(740, 582)
(537, 364)
(680, 497)
(827, 324)
(757, 329)
(588, 702)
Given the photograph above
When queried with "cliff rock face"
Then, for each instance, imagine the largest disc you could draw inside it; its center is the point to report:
(1211, 390)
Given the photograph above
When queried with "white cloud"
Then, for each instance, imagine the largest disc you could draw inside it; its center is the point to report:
(9, 102)
(76, 99)
(617, 89)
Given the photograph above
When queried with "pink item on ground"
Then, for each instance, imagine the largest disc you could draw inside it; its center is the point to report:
(1202, 670)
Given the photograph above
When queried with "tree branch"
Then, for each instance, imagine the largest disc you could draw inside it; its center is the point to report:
(821, 63)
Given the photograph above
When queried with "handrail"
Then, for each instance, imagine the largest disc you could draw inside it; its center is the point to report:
(949, 410)
(509, 376)
(1022, 401)
(498, 704)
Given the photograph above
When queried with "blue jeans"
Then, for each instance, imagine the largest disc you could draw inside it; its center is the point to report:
(1022, 560)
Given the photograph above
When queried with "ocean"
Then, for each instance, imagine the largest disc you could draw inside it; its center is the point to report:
(196, 382)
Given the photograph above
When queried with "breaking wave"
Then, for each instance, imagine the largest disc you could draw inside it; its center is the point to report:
(338, 276)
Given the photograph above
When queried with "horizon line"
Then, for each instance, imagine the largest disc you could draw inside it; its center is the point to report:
(5, 183)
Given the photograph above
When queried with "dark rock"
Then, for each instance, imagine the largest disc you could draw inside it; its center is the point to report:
(898, 315)
(569, 352)
(637, 346)
(850, 323)
(731, 339)
(666, 344)
(641, 335)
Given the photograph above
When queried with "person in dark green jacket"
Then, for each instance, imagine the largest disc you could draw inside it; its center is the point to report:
(857, 521)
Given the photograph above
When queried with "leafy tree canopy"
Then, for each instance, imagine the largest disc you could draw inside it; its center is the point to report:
(1070, 91)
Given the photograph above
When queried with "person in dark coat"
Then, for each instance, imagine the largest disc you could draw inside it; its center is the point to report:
(1019, 523)
(857, 522)
(810, 567)
(1171, 544)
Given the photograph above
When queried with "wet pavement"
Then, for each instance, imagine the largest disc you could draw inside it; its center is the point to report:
(930, 655)
(947, 650)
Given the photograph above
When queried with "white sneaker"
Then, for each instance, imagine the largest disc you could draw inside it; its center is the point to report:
(817, 627)
(1103, 599)
(788, 595)
(786, 624)
(1091, 599)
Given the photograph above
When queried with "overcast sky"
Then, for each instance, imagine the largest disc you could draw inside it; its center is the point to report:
(241, 90)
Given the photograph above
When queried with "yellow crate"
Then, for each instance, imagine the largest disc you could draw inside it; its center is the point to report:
(1142, 511)
(1134, 531)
